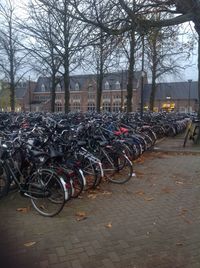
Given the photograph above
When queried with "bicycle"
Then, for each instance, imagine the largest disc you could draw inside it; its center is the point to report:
(192, 132)
(44, 188)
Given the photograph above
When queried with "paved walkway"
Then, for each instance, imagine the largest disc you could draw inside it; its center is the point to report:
(150, 222)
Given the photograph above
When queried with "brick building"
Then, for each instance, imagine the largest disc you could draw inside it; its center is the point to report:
(35, 96)
(176, 96)
(83, 93)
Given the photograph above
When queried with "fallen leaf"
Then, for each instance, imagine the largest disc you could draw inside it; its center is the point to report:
(81, 218)
(166, 190)
(148, 198)
(186, 220)
(23, 210)
(92, 196)
(109, 225)
(80, 197)
(81, 215)
(139, 173)
(179, 244)
(140, 193)
(183, 212)
(106, 193)
(92, 191)
(29, 244)
(179, 182)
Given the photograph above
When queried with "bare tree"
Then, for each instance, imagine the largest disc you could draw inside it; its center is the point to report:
(41, 29)
(12, 53)
(164, 51)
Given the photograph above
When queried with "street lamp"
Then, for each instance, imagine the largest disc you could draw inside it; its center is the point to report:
(121, 88)
(142, 80)
(189, 82)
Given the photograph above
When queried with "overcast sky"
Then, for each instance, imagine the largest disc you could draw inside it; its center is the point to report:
(189, 73)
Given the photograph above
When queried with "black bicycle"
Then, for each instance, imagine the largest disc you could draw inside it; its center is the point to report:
(44, 188)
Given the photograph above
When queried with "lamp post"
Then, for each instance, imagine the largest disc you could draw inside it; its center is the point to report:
(110, 84)
(189, 82)
(142, 80)
(29, 90)
(121, 88)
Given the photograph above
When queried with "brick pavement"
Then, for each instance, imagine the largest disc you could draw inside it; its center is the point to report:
(150, 222)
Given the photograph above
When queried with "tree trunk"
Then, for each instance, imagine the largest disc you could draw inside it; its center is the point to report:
(12, 95)
(199, 75)
(99, 91)
(131, 73)
(153, 90)
(66, 89)
(53, 93)
(66, 56)
(100, 74)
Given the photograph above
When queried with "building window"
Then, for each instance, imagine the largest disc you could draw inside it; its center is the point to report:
(107, 85)
(117, 97)
(106, 97)
(77, 87)
(106, 107)
(58, 88)
(58, 97)
(91, 106)
(75, 97)
(116, 106)
(90, 88)
(58, 107)
(91, 96)
(76, 107)
(117, 85)
(42, 88)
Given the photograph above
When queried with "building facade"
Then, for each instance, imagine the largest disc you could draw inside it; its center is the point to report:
(35, 96)
(176, 96)
(83, 95)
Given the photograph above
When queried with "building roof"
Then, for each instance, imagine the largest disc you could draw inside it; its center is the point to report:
(85, 79)
(23, 87)
(175, 90)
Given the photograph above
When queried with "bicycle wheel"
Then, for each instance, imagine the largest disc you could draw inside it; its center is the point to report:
(47, 193)
(196, 134)
(77, 183)
(117, 168)
(186, 137)
(4, 182)
(90, 173)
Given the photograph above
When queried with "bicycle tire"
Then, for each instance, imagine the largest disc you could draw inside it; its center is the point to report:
(117, 169)
(186, 137)
(90, 174)
(4, 182)
(196, 134)
(47, 193)
(77, 183)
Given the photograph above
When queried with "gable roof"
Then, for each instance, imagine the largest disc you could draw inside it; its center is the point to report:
(84, 79)
(175, 90)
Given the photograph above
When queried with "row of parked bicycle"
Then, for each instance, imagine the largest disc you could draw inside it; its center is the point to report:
(51, 158)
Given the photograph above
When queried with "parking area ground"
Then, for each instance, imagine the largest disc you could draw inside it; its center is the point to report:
(150, 222)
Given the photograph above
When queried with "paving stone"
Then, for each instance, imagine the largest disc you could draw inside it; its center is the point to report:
(153, 219)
